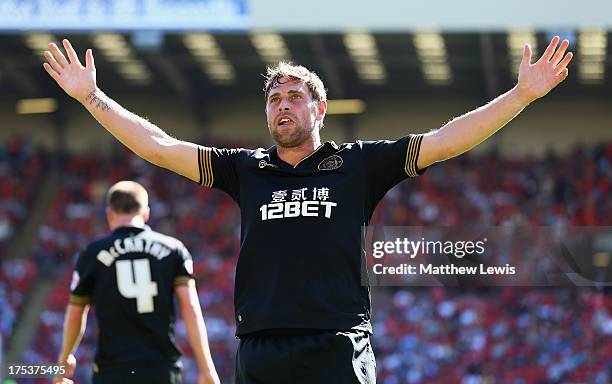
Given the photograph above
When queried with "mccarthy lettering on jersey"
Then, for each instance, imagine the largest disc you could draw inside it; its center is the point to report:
(130, 277)
(302, 226)
(136, 244)
(303, 202)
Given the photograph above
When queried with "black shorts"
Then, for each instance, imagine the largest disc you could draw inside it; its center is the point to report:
(140, 373)
(322, 357)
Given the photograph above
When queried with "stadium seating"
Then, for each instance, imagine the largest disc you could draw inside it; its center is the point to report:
(423, 335)
(15, 280)
(20, 171)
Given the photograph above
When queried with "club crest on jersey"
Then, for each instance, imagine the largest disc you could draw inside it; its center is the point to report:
(330, 163)
(263, 164)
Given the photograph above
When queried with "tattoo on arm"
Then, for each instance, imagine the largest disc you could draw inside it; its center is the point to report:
(92, 99)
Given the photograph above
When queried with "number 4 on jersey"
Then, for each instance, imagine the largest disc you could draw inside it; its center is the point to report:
(134, 282)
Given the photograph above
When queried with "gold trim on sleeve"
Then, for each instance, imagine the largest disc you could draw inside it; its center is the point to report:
(412, 155)
(80, 300)
(208, 170)
(182, 280)
(205, 167)
(200, 150)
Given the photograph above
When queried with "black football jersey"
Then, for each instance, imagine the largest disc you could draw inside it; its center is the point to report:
(129, 276)
(302, 227)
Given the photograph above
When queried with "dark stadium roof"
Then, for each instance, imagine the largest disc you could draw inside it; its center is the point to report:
(479, 64)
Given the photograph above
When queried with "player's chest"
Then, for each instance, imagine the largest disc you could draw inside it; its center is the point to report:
(324, 194)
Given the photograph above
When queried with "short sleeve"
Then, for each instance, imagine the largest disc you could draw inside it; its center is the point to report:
(218, 168)
(83, 279)
(389, 162)
(184, 266)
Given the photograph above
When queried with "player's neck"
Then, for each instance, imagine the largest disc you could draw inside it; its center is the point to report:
(294, 155)
(127, 221)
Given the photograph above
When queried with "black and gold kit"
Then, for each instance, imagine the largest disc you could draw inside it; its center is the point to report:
(302, 313)
(129, 277)
(301, 239)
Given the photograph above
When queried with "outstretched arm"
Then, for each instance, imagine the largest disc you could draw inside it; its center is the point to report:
(196, 331)
(465, 132)
(139, 135)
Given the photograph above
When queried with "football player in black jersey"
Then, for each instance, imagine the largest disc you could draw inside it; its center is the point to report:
(302, 314)
(132, 277)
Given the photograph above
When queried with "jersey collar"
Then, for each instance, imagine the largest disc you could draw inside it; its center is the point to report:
(130, 229)
(323, 149)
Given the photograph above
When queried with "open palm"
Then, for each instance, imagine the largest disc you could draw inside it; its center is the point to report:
(536, 80)
(76, 80)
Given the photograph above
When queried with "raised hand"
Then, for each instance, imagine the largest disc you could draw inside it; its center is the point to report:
(76, 80)
(536, 80)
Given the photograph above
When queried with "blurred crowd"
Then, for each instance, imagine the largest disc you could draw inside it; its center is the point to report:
(20, 172)
(21, 167)
(501, 335)
(15, 280)
(489, 189)
(422, 335)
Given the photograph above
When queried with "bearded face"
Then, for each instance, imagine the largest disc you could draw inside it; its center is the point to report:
(291, 112)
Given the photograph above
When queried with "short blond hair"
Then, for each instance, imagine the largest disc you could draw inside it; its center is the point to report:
(127, 197)
(295, 72)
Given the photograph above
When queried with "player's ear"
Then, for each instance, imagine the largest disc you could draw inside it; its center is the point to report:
(146, 214)
(322, 109)
(110, 216)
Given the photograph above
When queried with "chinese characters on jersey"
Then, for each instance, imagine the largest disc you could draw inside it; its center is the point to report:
(304, 202)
